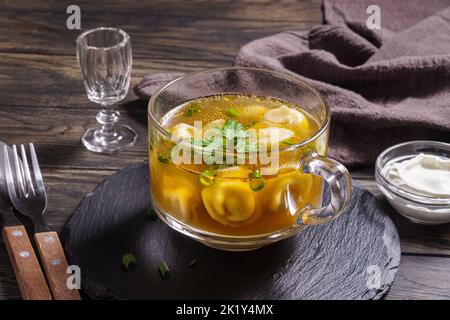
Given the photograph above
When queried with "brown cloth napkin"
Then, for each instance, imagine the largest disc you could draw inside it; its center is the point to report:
(383, 86)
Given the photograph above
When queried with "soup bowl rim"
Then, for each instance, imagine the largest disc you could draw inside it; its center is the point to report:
(167, 135)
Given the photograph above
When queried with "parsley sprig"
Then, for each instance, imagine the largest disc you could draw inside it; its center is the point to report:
(192, 109)
(231, 131)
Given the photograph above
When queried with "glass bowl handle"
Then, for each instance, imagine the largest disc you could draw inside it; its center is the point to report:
(339, 183)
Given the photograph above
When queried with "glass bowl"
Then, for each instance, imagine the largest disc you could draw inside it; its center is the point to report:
(415, 207)
(179, 199)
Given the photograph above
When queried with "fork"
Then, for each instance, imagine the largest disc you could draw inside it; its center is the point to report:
(30, 199)
(29, 275)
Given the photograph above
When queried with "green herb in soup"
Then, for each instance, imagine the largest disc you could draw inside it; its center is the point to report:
(242, 112)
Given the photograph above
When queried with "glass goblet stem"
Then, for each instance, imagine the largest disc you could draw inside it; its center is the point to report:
(107, 117)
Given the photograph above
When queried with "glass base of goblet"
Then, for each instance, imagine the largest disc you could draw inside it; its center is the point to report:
(123, 138)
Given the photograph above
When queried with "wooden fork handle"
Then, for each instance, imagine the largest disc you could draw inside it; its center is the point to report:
(55, 265)
(29, 275)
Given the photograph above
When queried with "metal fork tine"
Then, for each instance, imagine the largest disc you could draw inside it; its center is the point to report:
(37, 170)
(26, 169)
(19, 176)
(8, 174)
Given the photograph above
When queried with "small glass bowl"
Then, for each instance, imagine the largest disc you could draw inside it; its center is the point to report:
(417, 208)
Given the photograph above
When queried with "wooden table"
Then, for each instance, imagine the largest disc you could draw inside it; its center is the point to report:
(43, 100)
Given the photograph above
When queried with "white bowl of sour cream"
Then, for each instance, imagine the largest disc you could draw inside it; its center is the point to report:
(415, 178)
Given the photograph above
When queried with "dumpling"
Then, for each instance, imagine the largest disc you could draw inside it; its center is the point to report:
(287, 117)
(289, 191)
(179, 202)
(229, 202)
(233, 172)
(208, 131)
(182, 131)
(272, 135)
(253, 113)
(179, 196)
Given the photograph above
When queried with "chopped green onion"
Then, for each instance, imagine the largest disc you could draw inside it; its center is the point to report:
(209, 173)
(163, 158)
(194, 108)
(233, 112)
(205, 180)
(128, 261)
(163, 269)
(151, 213)
(288, 142)
(257, 185)
(256, 174)
(193, 262)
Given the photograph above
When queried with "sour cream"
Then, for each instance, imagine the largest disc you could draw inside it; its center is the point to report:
(424, 174)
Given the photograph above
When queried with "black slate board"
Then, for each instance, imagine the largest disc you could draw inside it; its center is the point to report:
(354, 257)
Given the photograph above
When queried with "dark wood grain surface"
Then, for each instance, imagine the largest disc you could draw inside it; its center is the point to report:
(42, 99)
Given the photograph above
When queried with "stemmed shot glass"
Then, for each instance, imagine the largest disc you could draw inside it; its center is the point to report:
(104, 57)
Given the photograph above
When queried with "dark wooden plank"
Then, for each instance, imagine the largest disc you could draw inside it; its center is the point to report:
(421, 277)
(65, 189)
(57, 133)
(159, 29)
(56, 81)
(367, 173)
(241, 9)
(9, 290)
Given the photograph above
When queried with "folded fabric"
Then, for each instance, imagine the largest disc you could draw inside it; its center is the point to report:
(383, 86)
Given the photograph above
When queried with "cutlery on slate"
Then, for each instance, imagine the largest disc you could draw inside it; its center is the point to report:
(30, 199)
(29, 275)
